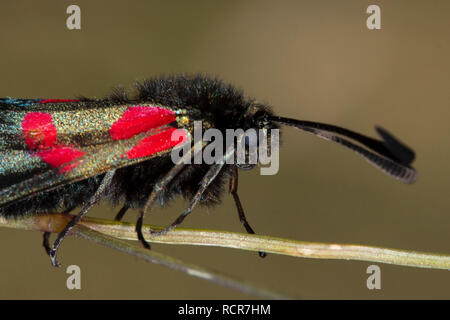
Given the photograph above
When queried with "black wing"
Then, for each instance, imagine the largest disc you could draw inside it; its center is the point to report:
(26, 171)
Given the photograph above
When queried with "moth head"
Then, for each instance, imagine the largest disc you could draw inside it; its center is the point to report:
(257, 140)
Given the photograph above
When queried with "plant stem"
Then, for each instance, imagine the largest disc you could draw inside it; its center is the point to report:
(158, 258)
(125, 231)
(57, 222)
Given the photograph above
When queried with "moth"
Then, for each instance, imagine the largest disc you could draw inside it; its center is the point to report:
(57, 155)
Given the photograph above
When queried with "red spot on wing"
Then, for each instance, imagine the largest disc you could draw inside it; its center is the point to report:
(139, 119)
(60, 155)
(157, 143)
(41, 136)
(44, 101)
(39, 130)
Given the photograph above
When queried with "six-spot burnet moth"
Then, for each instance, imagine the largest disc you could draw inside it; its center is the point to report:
(60, 154)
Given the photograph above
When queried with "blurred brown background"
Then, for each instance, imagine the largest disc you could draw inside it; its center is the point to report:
(312, 60)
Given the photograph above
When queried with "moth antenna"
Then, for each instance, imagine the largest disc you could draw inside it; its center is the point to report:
(392, 156)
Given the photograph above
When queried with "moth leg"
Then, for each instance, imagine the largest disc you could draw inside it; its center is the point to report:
(98, 195)
(46, 235)
(122, 212)
(157, 189)
(206, 181)
(240, 209)
(46, 242)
